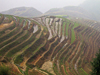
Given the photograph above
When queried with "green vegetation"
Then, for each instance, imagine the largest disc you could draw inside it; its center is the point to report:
(16, 42)
(69, 56)
(1, 19)
(61, 16)
(4, 70)
(64, 27)
(96, 65)
(14, 31)
(23, 45)
(67, 28)
(11, 39)
(55, 69)
(82, 72)
(19, 59)
(73, 33)
(9, 28)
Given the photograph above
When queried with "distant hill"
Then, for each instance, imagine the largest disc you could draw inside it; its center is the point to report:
(93, 6)
(23, 12)
(74, 11)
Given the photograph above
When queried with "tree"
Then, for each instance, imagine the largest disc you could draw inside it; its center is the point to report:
(96, 65)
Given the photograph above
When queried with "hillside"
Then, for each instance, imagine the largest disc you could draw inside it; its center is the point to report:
(47, 45)
(92, 6)
(23, 12)
(73, 11)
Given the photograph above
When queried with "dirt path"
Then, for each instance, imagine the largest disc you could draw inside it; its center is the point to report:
(6, 24)
(48, 66)
(12, 62)
(16, 67)
(39, 71)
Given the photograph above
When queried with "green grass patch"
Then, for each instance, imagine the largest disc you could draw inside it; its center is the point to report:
(61, 61)
(26, 72)
(37, 49)
(4, 70)
(73, 33)
(20, 70)
(0, 14)
(63, 27)
(60, 16)
(55, 69)
(73, 37)
(65, 70)
(19, 59)
(82, 72)
(67, 28)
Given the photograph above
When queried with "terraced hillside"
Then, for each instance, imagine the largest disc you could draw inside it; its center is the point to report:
(47, 45)
(91, 23)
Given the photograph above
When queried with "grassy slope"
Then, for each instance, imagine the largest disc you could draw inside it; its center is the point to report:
(73, 33)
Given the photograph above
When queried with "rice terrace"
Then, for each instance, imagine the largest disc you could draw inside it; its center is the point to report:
(61, 41)
(47, 45)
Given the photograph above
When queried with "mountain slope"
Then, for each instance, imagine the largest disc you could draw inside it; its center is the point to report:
(74, 11)
(48, 45)
(23, 12)
(92, 6)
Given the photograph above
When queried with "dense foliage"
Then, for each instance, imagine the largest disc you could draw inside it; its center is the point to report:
(4, 70)
(96, 65)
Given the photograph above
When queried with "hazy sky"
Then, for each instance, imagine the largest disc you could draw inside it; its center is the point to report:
(41, 5)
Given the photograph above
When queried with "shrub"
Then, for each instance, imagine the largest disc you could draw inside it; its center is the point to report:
(4, 70)
(96, 65)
